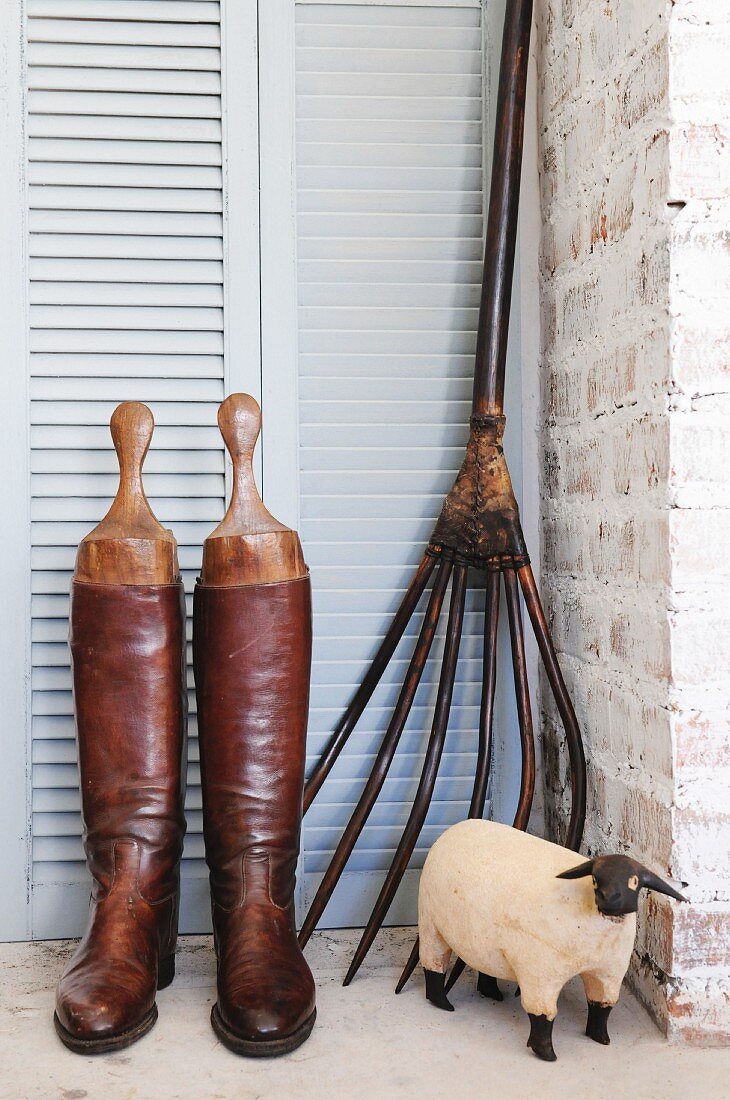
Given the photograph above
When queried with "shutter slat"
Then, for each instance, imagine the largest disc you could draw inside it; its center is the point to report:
(126, 317)
(360, 37)
(370, 60)
(81, 56)
(123, 104)
(369, 295)
(391, 108)
(417, 177)
(376, 225)
(389, 84)
(80, 342)
(166, 390)
(108, 127)
(104, 461)
(389, 202)
(124, 247)
(328, 14)
(94, 269)
(162, 81)
(126, 294)
(416, 271)
(410, 131)
(101, 151)
(58, 197)
(126, 223)
(194, 11)
(126, 175)
(127, 366)
(126, 303)
(123, 32)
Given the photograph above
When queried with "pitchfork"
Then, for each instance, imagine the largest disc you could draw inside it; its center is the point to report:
(479, 526)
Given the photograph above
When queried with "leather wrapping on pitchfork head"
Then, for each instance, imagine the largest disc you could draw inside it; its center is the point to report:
(480, 520)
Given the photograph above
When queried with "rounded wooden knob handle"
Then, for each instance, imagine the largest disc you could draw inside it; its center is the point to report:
(129, 546)
(239, 419)
(248, 546)
(131, 426)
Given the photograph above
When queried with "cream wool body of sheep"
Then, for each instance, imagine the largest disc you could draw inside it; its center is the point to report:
(516, 907)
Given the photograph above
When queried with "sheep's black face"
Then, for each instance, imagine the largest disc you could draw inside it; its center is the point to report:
(616, 883)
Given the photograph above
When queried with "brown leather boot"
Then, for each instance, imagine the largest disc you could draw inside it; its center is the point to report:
(252, 655)
(127, 647)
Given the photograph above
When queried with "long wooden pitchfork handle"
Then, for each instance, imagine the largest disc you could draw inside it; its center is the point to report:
(479, 526)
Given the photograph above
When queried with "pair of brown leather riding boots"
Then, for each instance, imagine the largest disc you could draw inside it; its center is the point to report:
(251, 656)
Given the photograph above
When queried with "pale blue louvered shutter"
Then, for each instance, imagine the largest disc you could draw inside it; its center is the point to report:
(126, 302)
(389, 168)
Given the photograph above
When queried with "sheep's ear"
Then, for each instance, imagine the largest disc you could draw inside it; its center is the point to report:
(649, 881)
(581, 871)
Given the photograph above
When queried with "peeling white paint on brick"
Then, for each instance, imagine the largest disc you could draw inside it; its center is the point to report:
(634, 101)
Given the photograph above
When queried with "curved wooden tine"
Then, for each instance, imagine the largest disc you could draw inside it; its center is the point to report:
(565, 707)
(428, 774)
(489, 685)
(456, 971)
(384, 756)
(522, 693)
(362, 696)
(409, 967)
(484, 754)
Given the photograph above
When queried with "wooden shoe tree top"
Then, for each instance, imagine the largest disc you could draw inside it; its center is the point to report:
(129, 546)
(248, 546)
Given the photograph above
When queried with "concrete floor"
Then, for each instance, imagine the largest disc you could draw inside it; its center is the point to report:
(367, 1042)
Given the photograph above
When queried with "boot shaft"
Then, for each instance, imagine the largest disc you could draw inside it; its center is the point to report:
(252, 656)
(128, 658)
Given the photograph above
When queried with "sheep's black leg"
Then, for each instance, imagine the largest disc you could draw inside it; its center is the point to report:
(435, 992)
(541, 1037)
(487, 986)
(597, 1026)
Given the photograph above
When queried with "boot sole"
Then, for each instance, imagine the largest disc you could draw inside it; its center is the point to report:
(110, 1043)
(260, 1048)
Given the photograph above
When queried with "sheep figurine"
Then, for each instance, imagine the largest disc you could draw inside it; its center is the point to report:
(516, 907)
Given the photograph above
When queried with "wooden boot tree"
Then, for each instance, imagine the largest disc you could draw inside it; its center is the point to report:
(248, 546)
(129, 546)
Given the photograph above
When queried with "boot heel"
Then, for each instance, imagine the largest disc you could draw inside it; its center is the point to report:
(166, 972)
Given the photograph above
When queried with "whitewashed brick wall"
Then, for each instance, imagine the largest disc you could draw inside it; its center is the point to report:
(634, 109)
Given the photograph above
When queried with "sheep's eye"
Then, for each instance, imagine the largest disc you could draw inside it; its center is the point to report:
(634, 882)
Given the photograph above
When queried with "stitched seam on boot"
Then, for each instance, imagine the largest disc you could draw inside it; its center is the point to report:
(135, 845)
(241, 900)
(281, 908)
(137, 887)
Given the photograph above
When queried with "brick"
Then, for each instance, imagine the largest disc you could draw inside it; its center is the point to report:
(700, 351)
(699, 61)
(646, 86)
(701, 739)
(698, 544)
(641, 456)
(699, 161)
